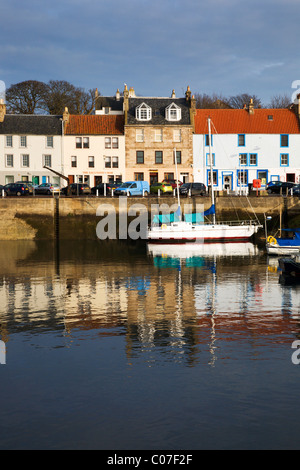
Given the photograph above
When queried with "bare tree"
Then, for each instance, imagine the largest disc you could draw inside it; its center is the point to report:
(238, 101)
(60, 94)
(33, 97)
(84, 101)
(280, 101)
(26, 97)
(204, 101)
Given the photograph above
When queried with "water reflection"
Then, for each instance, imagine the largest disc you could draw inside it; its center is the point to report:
(168, 304)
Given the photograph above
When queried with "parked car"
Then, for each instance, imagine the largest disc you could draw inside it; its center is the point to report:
(16, 189)
(275, 187)
(47, 188)
(163, 187)
(77, 189)
(296, 190)
(173, 183)
(133, 188)
(29, 184)
(109, 187)
(193, 189)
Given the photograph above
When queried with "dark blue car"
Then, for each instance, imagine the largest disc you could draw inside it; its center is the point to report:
(16, 189)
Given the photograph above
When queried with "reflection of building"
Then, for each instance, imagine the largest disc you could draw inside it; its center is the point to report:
(180, 309)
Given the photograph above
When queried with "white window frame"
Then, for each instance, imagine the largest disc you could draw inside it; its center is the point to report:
(23, 141)
(49, 141)
(86, 143)
(73, 161)
(9, 156)
(173, 112)
(115, 162)
(24, 165)
(78, 142)
(143, 112)
(139, 135)
(177, 135)
(158, 135)
(45, 158)
(115, 142)
(8, 141)
(107, 162)
(91, 162)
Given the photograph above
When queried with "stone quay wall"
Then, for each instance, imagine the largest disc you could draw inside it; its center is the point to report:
(33, 218)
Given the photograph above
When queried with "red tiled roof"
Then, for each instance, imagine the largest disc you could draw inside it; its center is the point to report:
(95, 124)
(239, 121)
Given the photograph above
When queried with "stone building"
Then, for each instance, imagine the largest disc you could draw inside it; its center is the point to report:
(154, 129)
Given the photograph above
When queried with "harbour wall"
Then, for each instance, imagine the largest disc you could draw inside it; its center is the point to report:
(34, 218)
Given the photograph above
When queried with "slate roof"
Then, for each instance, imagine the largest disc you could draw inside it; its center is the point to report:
(95, 125)
(158, 106)
(31, 124)
(109, 102)
(239, 121)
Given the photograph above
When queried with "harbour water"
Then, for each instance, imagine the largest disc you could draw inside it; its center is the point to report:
(111, 345)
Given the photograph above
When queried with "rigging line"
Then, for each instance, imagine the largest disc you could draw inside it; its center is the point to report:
(220, 141)
(236, 212)
(249, 202)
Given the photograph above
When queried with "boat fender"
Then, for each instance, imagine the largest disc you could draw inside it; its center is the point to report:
(272, 240)
(164, 226)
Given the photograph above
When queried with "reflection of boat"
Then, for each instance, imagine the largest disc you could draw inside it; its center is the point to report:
(288, 245)
(172, 229)
(290, 267)
(202, 249)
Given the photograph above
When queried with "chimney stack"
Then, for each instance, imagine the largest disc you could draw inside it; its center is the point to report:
(251, 107)
(131, 92)
(126, 103)
(66, 115)
(173, 94)
(118, 95)
(193, 111)
(2, 110)
(188, 94)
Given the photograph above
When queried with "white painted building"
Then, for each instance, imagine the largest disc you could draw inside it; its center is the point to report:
(27, 143)
(246, 144)
(94, 148)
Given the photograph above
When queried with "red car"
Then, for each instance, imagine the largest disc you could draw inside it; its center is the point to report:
(173, 183)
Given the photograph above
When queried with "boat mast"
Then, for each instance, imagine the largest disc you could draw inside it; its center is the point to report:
(211, 171)
(177, 186)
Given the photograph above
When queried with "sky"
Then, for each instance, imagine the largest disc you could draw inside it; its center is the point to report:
(224, 47)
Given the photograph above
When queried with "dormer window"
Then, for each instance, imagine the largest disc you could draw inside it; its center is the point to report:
(173, 112)
(143, 112)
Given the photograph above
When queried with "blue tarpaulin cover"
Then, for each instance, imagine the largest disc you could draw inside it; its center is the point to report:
(195, 218)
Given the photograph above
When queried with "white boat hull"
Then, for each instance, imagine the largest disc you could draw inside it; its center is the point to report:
(203, 249)
(282, 250)
(185, 232)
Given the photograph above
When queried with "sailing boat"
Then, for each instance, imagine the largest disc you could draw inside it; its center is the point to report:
(172, 229)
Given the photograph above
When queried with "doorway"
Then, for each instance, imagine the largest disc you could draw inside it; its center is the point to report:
(153, 177)
(291, 177)
(227, 181)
